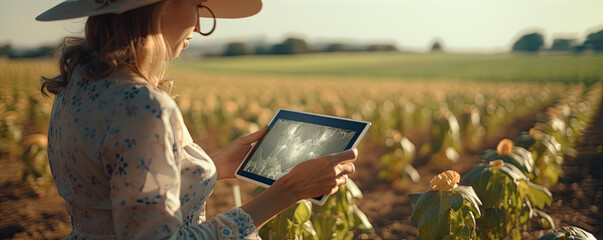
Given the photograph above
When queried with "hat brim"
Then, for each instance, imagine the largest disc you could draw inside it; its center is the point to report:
(75, 9)
(232, 8)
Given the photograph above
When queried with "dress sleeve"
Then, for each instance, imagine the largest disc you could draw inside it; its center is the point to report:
(141, 157)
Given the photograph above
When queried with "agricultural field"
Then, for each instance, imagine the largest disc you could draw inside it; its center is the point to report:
(430, 113)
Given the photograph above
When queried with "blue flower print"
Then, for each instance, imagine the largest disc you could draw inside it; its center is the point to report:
(130, 142)
(144, 165)
(107, 84)
(121, 165)
(153, 111)
(131, 93)
(109, 169)
(92, 179)
(148, 201)
(92, 94)
(131, 111)
(90, 132)
(185, 198)
(83, 83)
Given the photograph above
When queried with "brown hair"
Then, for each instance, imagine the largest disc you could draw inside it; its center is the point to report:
(114, 41)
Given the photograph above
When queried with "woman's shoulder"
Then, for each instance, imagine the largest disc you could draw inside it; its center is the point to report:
(129, 92)
(139, 92)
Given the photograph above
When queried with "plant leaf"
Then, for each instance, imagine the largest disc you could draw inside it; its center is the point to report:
(524, 158)
(456, 200)
(488, 155)
(573, 233)
(513, 172)
(414, 197)
(363, 223)
(469, 194)
(538, 195)
(302, 213)
(309, 232)
(489, 188)
(552, 235)
(353, 189)
(432, 214)
(524, 140)
(544, 216)
(525, 213)
(474, 174)
(491, 217)
(577, 233)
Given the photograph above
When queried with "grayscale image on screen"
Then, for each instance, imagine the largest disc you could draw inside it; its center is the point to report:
(290, 142)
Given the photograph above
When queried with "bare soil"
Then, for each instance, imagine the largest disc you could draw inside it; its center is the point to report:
(40, 214)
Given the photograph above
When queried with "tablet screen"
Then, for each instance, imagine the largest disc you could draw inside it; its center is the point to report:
(291, 142)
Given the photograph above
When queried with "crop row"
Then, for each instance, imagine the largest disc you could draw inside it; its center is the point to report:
(503, 193)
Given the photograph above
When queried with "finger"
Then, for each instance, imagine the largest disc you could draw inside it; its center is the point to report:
(334, 190)
(254, 137)
(345, 156)
(341, 180)
(345, 169)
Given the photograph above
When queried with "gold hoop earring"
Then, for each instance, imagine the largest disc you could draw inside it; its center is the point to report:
(213, 16)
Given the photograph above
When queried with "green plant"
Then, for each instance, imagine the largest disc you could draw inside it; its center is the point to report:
(508, 199)
(567, 233)
(472, 131)
(397, 159)
(337, 219)
(10, 133)
(340, 217)
(547, 154)
(445, 138)
(37, 169)
(293, 223)
(447, 210)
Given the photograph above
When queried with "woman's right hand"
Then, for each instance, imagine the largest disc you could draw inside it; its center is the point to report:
(311, 178)
(319, 176)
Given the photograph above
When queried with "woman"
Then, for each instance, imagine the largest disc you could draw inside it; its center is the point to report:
(119, 151)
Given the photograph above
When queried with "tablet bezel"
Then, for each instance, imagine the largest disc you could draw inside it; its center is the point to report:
(361, 127)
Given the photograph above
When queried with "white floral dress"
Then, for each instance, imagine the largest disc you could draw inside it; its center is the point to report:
(127, 167)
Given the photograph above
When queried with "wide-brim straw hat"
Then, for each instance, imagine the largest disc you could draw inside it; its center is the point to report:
(84, 8)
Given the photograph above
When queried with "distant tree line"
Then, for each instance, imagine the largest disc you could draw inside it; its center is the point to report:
(296, 46)
(7, 50)
(534, 42)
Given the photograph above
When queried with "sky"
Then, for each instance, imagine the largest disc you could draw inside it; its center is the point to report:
(478, 26)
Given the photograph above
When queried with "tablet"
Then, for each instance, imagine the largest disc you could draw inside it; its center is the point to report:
(294, 137)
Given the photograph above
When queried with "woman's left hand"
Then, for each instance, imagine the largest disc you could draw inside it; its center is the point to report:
(228, 159)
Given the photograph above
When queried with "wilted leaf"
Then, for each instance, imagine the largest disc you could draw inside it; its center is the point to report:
(544, 217)
(538, 195)
(513, 172)
(353, 189)
(362, 221)
(468, 194)
(309, 232)
(568, 233)
(303, 211)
